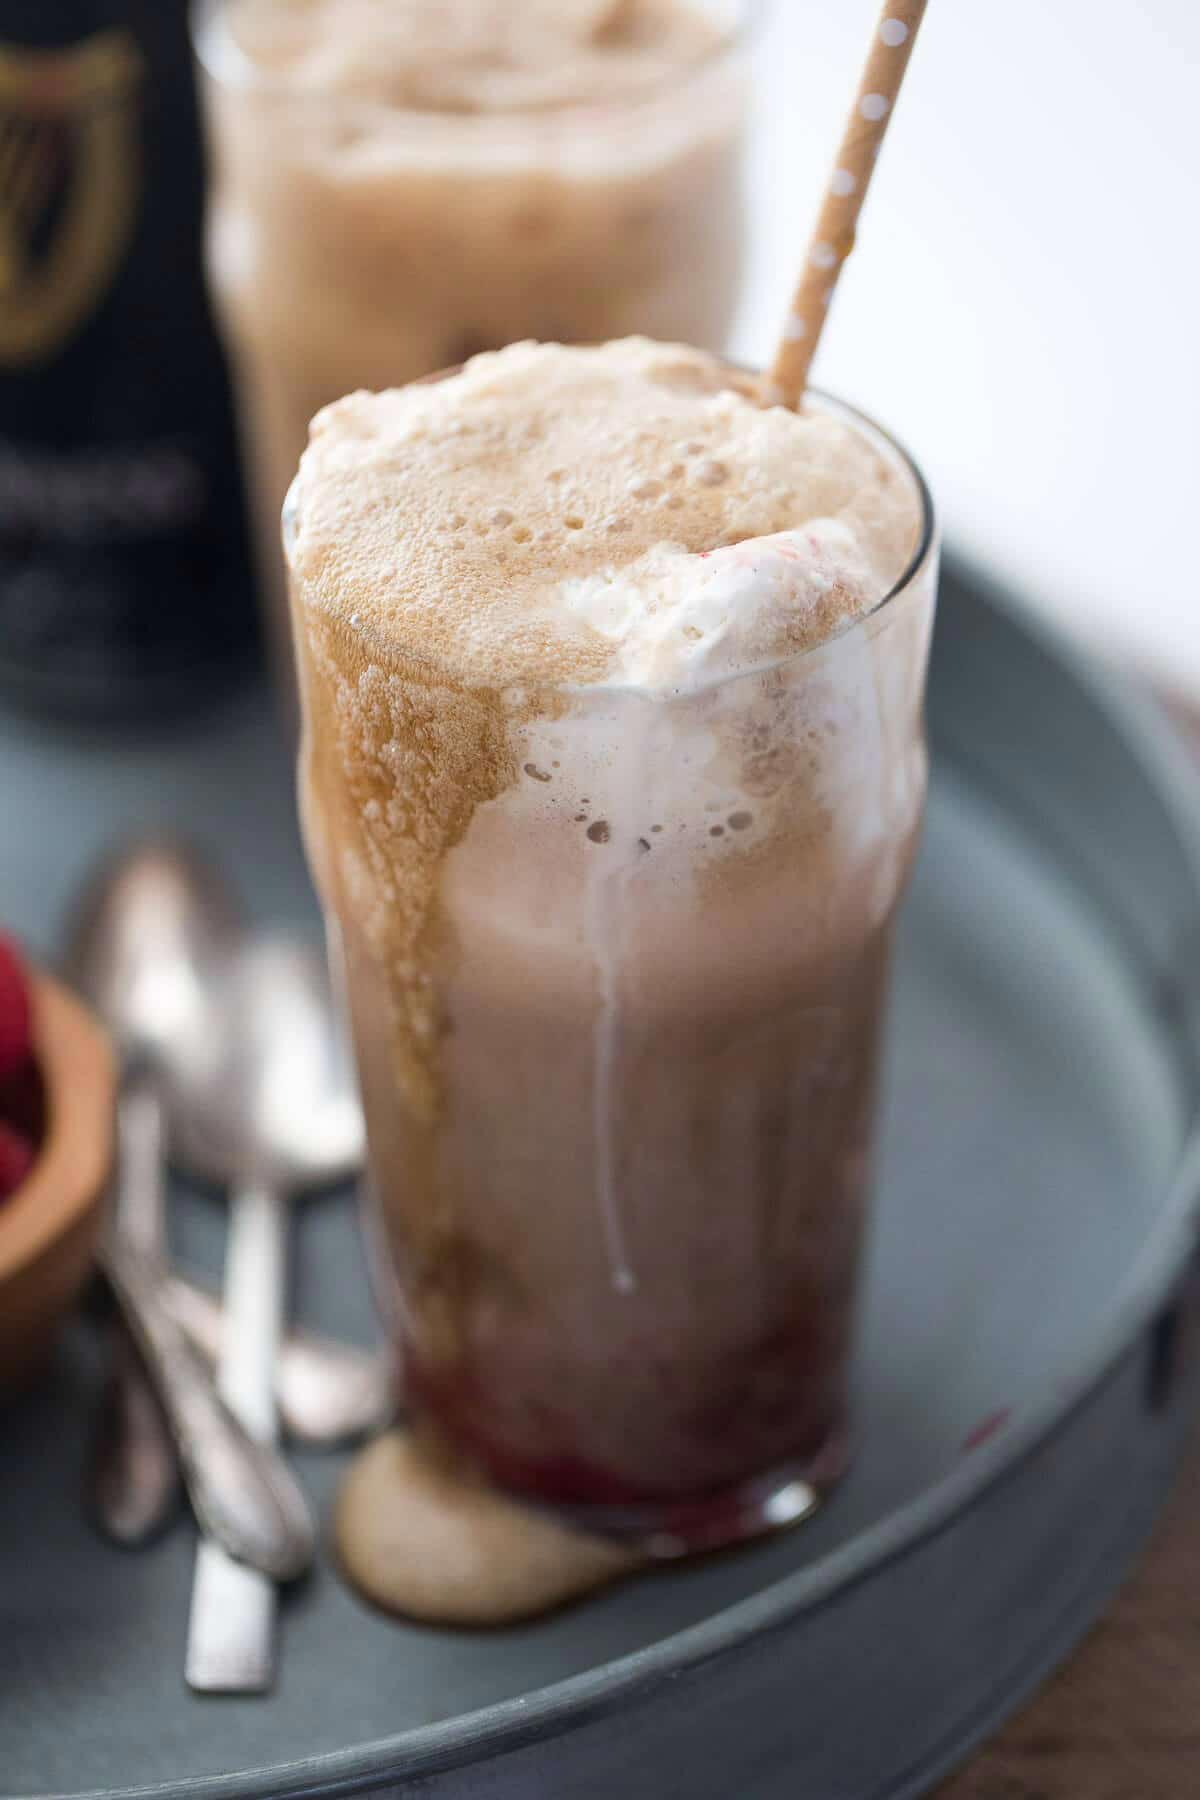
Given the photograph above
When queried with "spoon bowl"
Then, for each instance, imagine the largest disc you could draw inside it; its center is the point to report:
(264, 1089)
(150, 929)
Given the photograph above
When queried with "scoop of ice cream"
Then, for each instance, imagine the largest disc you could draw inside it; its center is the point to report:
(681, 620)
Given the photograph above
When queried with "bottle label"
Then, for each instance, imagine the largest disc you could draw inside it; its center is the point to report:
(69, 181)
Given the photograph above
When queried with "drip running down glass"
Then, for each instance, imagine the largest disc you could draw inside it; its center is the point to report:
(616, 946)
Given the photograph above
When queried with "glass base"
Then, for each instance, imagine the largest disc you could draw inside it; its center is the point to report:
(717, 1521)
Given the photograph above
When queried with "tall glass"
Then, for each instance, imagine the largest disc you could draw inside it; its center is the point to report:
(356, 245)
(619, 1074)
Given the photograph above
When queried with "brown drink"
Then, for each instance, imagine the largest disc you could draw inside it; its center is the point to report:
(612, 772)
(400, 183)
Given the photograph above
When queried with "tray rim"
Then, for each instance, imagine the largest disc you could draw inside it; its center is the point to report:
(595, 1693)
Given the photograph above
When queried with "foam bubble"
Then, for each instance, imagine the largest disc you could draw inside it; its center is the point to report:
(711, 472)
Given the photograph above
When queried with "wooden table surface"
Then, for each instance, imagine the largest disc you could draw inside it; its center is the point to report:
(1121, 1721)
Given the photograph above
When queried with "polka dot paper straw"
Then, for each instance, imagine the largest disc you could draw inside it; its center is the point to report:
(833, 239)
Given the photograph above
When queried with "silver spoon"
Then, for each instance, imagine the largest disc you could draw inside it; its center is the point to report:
(243, 1494)
(150, 928)
(147, 941)
(262, 1101)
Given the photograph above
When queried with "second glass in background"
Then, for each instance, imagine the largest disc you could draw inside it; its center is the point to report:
(354, 243)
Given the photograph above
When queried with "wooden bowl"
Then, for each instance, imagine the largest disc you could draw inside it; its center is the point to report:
(48, 1228)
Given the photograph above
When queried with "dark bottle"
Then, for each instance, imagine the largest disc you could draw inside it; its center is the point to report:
(125, 584)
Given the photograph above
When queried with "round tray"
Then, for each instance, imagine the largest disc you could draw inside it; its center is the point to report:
(1024, 1376)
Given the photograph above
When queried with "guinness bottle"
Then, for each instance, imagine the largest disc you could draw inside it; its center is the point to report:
(124, 570)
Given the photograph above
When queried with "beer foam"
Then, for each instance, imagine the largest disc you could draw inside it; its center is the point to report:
(476, 56)
(554, 515)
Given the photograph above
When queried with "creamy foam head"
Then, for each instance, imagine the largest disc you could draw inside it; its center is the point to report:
(471, 56)
(566, 515)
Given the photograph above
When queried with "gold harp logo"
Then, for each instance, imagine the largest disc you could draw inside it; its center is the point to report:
(68, 186)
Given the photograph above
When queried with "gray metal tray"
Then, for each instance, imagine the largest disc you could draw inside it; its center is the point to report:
(1025, 1370)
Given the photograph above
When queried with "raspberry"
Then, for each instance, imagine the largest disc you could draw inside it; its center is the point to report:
(23, 1102)
(16, 1015)
(16, 1159)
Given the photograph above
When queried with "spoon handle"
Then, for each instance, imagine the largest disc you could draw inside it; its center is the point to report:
(141, 1201)
(231, 1628)
(243, 1493)
(133, 1471)
(132, 1478)
(328, 1392)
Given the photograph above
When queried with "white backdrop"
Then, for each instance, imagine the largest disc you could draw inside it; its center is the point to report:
(1023, 308)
